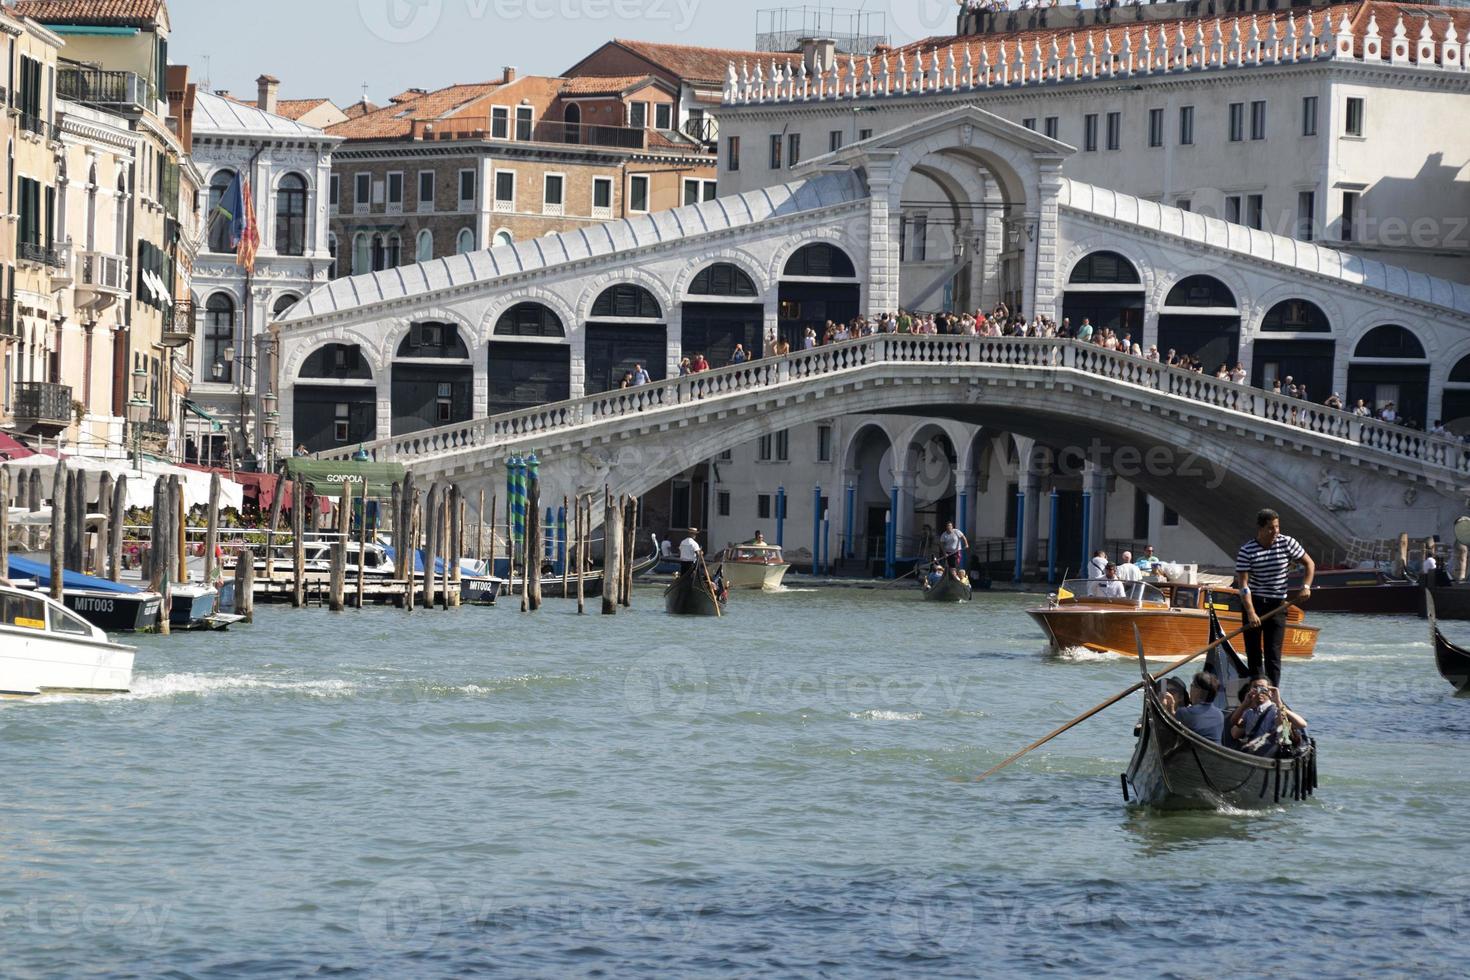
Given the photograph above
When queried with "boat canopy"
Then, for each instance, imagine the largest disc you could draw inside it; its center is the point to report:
(25, 568)
(325, 476)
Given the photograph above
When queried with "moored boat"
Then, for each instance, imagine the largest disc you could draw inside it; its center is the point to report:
(1453, 661)
(693, 593)
(1173, 619)
(1361, 590)
(46, 648)
(113, 606)
(1175, 768)
(753, 566)
(948, 589)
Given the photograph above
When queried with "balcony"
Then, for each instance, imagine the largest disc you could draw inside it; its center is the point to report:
(40, 254)
(102, 279)
(178, 326)
(33, 124)
(93, 86)
(43, 405)
(621, 137)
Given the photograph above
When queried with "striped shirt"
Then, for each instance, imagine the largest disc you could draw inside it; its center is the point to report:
(1268, 566)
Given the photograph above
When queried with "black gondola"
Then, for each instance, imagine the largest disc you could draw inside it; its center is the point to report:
(948, 589)
(1453, 662)
(693, 593)
(1174, 768)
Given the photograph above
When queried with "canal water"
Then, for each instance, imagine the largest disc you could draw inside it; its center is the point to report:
(785, 790)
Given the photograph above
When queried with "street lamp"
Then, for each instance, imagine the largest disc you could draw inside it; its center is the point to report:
(268, 427)
(138, 412)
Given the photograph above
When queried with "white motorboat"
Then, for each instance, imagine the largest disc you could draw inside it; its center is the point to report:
(46, 648)
(753, 566)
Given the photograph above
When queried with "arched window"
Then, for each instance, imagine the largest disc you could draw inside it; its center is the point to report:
(722, 279)
(504, 237)
(1104, 268)
(529, 320)
(342, 361)
(573, 119)
(1200, 291)
(283, 305)
(626, 300)
(465, 242)
(291, 215)
(1461, 371)
(379, 254)
(394, 257)
(424, 250)
(219, 334)
(219, 223)
(1296, 315)
(362, 254)
(1389, 340)
(433, 340)
(820, 260)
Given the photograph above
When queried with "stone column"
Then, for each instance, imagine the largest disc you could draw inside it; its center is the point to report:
(480, 381)
(384, 381)
(992, 235)
(1095, 479)
(1041, 274)
(883, 258)
(1031, 515)
(674, 340)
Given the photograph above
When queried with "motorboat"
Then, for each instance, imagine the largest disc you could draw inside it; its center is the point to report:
(48, 649)
(1173, 619)
(756, 565)
(116, 607)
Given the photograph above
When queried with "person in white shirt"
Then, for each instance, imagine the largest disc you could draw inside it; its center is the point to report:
(1127, 571)
(689, 549)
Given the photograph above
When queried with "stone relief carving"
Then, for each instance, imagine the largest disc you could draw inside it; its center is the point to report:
(1333, 492)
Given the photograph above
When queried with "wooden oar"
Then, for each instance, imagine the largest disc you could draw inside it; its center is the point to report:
(710, 582)
(1279, 610)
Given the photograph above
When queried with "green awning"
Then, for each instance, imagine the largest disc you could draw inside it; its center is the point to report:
(325, 477)
(92, 30)
(193, 407)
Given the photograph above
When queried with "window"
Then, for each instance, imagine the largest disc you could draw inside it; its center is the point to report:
(444, 401)
(1186, 125)
(1309, 115)
(465, 242)
(1171, 517)
(1353, 125)
(1232, 209)
(395, 191)
(727, 455)
(834, 141)
(523, 122)
(1051, 125)
(291, 215)
(722, 503)
(1306, 213)
(333, 270)
(1030, 123)
(551, 194)
(638, 115)
(1349, 215)
(1089, 132)
(763, 506)
(499, 122)
(1258, 119)
(602, 189)
(219, 333)
(362, 192)
(824, 444)
(793, 149)
(722, 279)
(341, 421)
(393, 256)
(1237, 121)
(1156, 127)
(503, 237)
(783, 445)
(623, 301)
(362, 255)
(638, 192)
(775, 161)
(1184, 204)
(467, 189)
(732, 153)
(1254, 210)
(426, 190)
(505, 190)
(334, 191)
(424, 248)
(865, 134)
(921, 238)
(763, 449)
(1115, 130)
(529, 320)
(663, 116)
(219, 224)
(698, 190)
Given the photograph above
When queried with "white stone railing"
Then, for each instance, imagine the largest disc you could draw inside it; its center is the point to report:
(561, 419)
(1000, 63)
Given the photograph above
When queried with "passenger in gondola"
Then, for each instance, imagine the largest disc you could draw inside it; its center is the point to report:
(1255, 724)
(1198, 712)
(936, 574)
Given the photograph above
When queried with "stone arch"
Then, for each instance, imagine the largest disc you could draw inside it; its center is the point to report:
(594, 287)
(1268, 299)
(291, 368)
(1092, 246)
(855, 441)
(549, 298)
(1425, 339)
(790, 245)
(1226, 276)
(740, 258)
(398, 328)
(1015, 171)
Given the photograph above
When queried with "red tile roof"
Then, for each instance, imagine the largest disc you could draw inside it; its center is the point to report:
(131, 13)
(396, 121)
(695, 64)
(585, 85)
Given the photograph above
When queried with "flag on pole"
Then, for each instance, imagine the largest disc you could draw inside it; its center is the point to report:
(231, 208)
(249, 240)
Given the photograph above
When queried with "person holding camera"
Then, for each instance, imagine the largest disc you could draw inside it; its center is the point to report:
(1255, 726)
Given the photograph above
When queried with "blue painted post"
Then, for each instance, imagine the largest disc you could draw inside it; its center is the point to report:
(561, 535)
(892, 543)
(1086, 531)
(849, 550)
(512, 481)
(816, 529)
(781, 517)
(1051, 540)
(1020, 533)
(826, 543)
(888, 545)
(962, 521)
(548, 538)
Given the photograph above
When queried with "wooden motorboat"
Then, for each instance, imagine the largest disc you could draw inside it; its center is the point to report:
(1361, 590)
(46, 648)
(693, 593)
(116, 607)
(1100, 615)
(1175, 768)
(753, 566)
(1453, 661)
(947, 589)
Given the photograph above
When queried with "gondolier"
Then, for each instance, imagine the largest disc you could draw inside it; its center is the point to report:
(1261, 568)
(952, 541)
(689, 549)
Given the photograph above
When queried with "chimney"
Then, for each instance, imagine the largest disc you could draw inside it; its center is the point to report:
(819, 54)
(507, 74)
(266, 86)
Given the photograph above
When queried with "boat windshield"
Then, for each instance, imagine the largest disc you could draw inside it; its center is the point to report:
(770, 556)
(19, 609)
(1112, 590)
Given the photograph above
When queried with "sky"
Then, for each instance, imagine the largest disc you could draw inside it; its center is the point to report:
(330, 48)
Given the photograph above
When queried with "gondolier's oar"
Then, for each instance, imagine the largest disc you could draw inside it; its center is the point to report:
(710, 582)
(1278, 611)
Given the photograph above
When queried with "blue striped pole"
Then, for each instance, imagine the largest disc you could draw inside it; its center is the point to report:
(888, 545)
(849, 550)
(891, 559)
(512, 471)
(531, 468)
(1020, 532)
(1051, 540)
(561, 534)
(826, 543)
(816, 528)
(548, 537)
(1085, 564)
(781, 517)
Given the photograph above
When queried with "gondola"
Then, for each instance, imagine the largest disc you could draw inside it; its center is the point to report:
(949, 589)
(692, 593)
(1175, 769)
(1453, 662)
